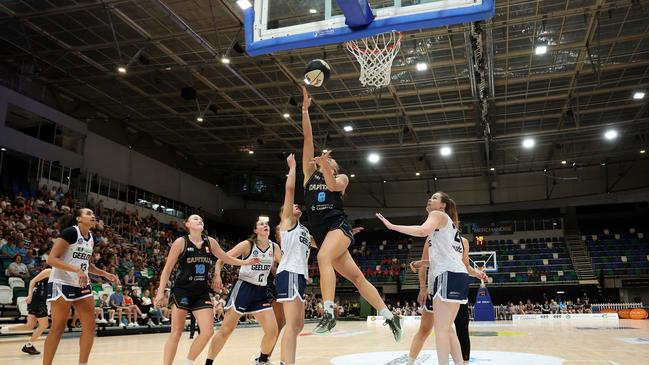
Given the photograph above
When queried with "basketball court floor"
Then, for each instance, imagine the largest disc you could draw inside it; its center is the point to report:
(357, 343)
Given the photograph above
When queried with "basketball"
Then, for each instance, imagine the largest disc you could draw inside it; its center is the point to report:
(317, 73)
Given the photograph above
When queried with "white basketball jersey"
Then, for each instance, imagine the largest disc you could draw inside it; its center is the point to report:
(78, 254)
(445, 251)
(258, 274)
(296, 245)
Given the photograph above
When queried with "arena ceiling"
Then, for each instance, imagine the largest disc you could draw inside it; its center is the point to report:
(597, 59)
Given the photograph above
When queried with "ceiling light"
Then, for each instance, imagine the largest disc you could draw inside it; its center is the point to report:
(445, 151)
(244, 4)
(313, 11)
(348, 128)
(563, 162)
(545, 170)
(373, 158)
(199, 119)
(417, 174)
(121, 69)
(528, 143)
(641, 151)
(638, 95)
(603, 163)
(384, 181)
(422, 66)
(251, 152)
(610, 134)
(168, 68)
(286, 115)
(4, 149)
(225, 60)
(492, 169)
(352, 175)
(263, 218)
(541, 50)
(435, 178)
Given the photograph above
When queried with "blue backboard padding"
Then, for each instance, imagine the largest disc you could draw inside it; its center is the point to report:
(402, 23)
(358, 13)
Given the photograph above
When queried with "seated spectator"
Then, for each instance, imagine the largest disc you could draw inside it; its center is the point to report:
(117, 304)
(10, 249)
(99, 310)
(17, 268)
(135, 311)
(219, 304)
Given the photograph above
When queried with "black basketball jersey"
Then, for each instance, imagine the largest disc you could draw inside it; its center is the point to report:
(39, 294)
(321, 203)
(194, 266)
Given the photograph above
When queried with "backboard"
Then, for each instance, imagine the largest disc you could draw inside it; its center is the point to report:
(279, 25)
(484, 260)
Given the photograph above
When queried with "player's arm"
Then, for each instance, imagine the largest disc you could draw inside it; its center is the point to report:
(308, 149)
(277, 253)
(465, 259)
(97, 271)
(334, 183)
(226, 257)
(286, 221)
(32, 284)
(435, 220)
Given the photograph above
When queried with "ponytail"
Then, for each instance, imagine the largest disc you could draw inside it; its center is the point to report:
(69, 220)
(451, 207)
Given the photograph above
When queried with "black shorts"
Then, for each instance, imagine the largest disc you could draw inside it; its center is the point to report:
(190, 300)
(319, 231)
(38, 309)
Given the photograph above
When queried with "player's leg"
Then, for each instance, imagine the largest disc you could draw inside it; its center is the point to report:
(178, 316)
(85, 308)
(205, 320)
(60, 310)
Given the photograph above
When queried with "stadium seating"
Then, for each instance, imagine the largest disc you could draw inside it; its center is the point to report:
(619, 254)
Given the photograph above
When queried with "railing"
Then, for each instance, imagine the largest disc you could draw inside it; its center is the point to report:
(616, 306)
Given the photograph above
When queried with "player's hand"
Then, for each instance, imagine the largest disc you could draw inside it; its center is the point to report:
(290, 160)
(423, 295)
(357, 230)
(322, 160)
(306, 103)
(158, 298)
(83, 279)
(112, 278)
(416, 265)
(387, 223)
(217, 284)
(483, 276)
(28, 299)
(253, 261)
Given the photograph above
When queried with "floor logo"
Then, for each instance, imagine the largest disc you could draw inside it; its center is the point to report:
(430, 358)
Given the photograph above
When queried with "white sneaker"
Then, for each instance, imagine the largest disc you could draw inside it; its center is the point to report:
(112, 321)
(165, 319)
(132, 324)
(103, 321)
(150, 323)
(97, 320)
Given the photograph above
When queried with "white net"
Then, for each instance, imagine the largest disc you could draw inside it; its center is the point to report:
(375, 55)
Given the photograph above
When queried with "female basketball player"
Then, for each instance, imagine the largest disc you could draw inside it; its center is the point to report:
(323, 191)
(448, 276)
(69, 285)
(249, 295)
(293, 269)
(194, 254)
(37, 309)
(461, 319)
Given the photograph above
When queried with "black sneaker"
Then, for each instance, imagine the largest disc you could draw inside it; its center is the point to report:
(395, 327)
(30, 350)
(327, 323)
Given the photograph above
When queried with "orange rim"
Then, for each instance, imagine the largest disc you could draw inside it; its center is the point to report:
(388, 48)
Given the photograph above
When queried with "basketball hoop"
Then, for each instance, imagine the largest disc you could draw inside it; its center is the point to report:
(375, 55)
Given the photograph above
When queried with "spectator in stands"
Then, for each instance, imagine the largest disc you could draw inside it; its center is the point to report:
(135, 311)
(117, 304)
(17, 268)
(9, 249)
(554, 307)
(104, 304)
(545, 309)
(219, 304)
(129, 279)
(99, 311)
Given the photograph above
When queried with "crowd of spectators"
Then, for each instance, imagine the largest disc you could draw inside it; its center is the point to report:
(552, 306)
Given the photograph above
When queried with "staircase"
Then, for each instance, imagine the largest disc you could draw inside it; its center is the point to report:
(580, 258)
(411, 281)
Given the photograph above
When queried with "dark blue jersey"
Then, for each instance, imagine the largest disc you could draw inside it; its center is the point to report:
(321, 204)
(195, 266)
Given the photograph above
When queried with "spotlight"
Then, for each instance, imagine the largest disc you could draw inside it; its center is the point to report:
(348, 128)
(286, 115)
(352, 175)
(641, 151)
(199, 119)
(251, 152)
(313, 11)
(244, 4)
(492, 169)
(225, 59)
(639, 95)
(121, 69)
(528, 143)
(610, 134)
(4, 149)
(373, 158)
(541, 50)
(417, 174)
(563, 162)
(445, 151)
(384, 181)
(422, 66)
